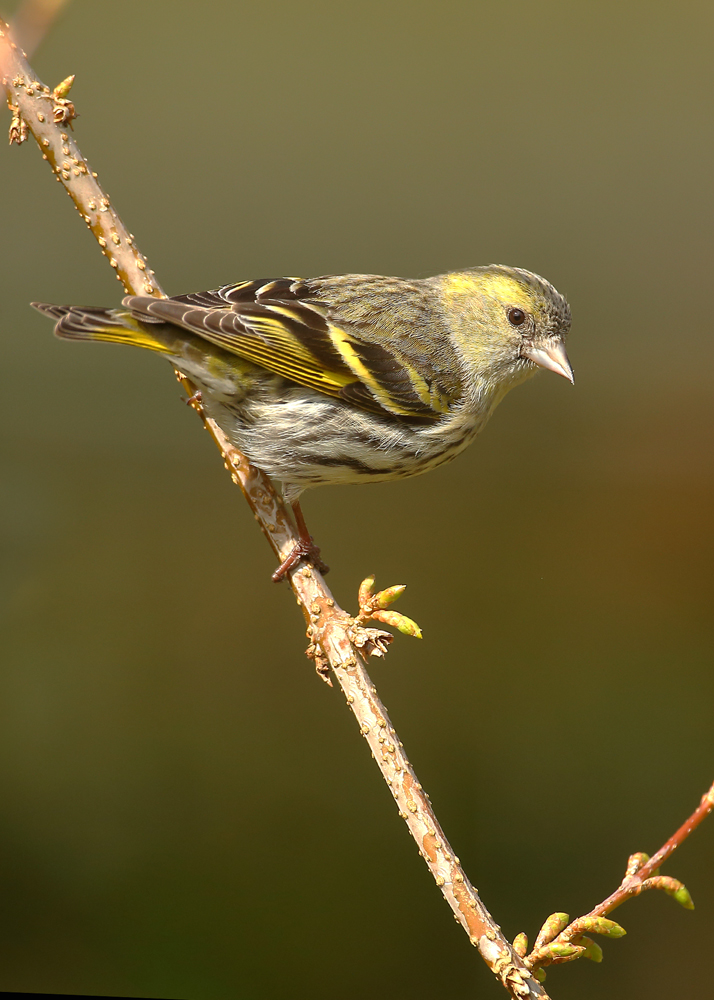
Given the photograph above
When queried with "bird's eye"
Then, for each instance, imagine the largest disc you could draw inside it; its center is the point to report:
(516, 317)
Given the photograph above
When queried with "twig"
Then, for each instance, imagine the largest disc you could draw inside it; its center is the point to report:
(336, 639)
(561, 941)
(638, 874)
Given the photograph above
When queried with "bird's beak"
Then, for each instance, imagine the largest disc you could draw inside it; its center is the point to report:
(552, 357)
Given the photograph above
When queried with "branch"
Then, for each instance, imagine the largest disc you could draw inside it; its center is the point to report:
(560, 941)
(337, 641)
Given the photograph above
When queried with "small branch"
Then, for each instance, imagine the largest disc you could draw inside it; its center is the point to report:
(633, 883)
(336, 639)
(637, 875)
(557, 942)
(47, 116)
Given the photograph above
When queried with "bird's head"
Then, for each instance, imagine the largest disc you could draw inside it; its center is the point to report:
(507, 323)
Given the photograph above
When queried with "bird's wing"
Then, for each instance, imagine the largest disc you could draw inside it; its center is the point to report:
(280, 325)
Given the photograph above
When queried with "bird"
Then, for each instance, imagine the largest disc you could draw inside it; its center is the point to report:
(348, 378)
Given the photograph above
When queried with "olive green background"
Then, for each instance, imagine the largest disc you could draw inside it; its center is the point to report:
(186, 810)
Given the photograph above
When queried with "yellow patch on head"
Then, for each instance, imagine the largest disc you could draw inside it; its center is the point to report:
(502, 287)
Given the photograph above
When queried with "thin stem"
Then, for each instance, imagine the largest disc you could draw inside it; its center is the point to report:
(634, 882)
(335, 638)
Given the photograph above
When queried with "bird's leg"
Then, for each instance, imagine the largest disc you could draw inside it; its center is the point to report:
(305, 548)
(195, 401)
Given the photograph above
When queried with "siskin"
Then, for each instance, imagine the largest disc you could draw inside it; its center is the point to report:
(347, 378)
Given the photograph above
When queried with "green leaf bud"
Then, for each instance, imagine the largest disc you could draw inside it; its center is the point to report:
(593, 951)
(552, 927)
(565, 952)
(683, 898)
(635, 862)
(520, 945)
(365, 590)
(601, 925)
(404, 624)
(386, 597)
(673, 887)
(62, 89)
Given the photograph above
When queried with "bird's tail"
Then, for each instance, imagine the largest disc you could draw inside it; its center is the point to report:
(117, 326)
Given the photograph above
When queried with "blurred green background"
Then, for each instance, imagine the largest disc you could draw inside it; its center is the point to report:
(186, 811)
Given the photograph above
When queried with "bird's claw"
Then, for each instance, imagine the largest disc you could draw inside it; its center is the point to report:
(301, 550)
(195, 401)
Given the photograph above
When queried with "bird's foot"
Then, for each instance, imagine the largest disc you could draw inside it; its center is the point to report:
(304, 548)
(195, 401)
